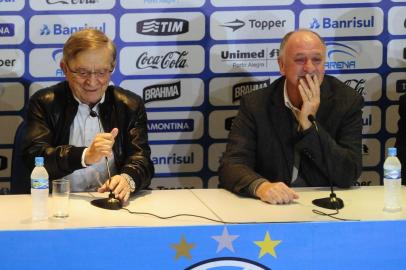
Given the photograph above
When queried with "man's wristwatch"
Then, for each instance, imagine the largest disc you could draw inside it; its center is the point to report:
(130, 181)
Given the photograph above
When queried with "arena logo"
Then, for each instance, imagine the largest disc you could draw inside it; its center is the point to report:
(158, 92)
(176, 125)
(7, 29)
(162, 27)
(341, 50)
(354, 22)
(59, 29)
(171, 60)
(73, 2)
(357, 85)
(244, 88)
(401, 86)
(174, 159)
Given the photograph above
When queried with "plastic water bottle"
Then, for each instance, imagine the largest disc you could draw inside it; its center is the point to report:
(392, 181)
(39, 190)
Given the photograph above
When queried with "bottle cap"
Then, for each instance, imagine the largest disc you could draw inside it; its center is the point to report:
(39, 161)
(392, 151)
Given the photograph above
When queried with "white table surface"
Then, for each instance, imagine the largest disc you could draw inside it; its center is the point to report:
(362, 203)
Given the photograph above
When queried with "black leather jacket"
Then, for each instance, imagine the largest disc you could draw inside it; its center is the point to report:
(50, 114)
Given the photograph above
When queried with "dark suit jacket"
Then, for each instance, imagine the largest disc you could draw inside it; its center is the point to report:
(262, 139)
(401, 136)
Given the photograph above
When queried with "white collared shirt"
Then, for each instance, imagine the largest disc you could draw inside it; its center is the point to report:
(82, 132)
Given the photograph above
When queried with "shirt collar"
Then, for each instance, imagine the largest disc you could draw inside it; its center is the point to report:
(286, 99)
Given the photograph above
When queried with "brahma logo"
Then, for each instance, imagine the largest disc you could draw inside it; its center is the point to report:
(6, 29)
(176, 125)
(244, 88)
(172, 59)
(161, 92)
(162, 27)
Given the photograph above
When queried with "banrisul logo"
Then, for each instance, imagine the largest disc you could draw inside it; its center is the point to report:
(7, 29)
(162, 27)
(173, 59)
(161, 92)
(244, 88)
(59, 29)
(354, 22)
(173, 125)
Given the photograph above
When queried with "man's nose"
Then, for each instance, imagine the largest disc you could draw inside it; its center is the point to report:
(309, 66)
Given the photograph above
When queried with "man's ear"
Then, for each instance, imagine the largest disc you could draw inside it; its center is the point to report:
(62, 65)
(281, 65)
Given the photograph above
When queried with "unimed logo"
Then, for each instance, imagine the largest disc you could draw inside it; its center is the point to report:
(162, 27)
(6, 29)
(244, 88)
(156, 92)
(175, 125)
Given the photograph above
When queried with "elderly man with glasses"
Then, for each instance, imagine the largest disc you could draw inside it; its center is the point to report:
(82, 124)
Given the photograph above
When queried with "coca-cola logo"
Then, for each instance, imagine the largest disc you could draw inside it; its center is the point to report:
(170, 60)
(358, 85)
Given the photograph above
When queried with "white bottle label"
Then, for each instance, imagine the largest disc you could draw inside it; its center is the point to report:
(391, 174)
(39, 184)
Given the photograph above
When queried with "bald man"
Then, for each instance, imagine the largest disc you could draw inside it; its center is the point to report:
(273, 146)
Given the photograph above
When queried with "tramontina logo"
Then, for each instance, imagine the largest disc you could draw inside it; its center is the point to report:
(174, 59)
(162, 27)
(161, 92)
(244, 88)
(235, 25)
(173, 125)
(6, 30)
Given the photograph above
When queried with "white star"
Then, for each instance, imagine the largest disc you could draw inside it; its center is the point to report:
(225, 240)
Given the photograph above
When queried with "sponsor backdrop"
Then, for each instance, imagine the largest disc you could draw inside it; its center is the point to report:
(192, 60)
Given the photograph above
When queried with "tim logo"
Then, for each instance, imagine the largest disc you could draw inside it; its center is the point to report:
(228, 123)
(401, 86)
(161, 92)
(358, 85)
(177, 125)
(234, 25)
(227, 263)
(171, 60)
(3, 163)
(345, 53)
(244, 88)
(162, 27)
(6, 29)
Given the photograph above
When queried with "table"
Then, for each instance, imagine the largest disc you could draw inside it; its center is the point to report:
(271, 236)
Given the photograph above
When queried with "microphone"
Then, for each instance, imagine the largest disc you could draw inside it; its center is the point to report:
(331, 202)
(111, 202)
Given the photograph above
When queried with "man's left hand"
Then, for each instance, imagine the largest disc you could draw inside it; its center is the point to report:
(119, 186)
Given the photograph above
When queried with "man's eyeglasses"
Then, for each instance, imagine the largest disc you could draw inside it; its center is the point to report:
(86, 74)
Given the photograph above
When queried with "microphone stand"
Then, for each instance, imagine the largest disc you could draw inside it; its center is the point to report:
(110, 203)
(332, 202)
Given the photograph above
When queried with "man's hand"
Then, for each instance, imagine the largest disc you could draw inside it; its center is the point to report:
(119, 186)
(276, 193)
(102, 146)
(309, 88)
